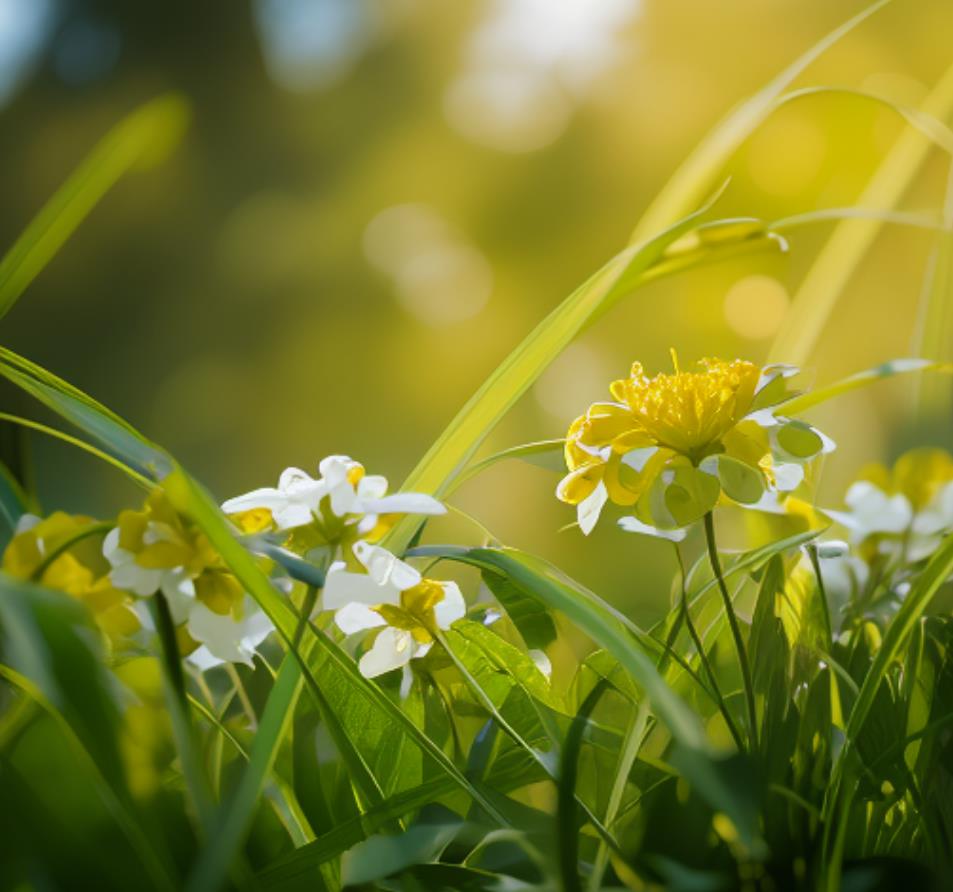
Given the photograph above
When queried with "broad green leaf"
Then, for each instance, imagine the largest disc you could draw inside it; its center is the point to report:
(533, 621)
(799, 440)
(382, 856)
(142, 139)
(513, 769)
(739, 480)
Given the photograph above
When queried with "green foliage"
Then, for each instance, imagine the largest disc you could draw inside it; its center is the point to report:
(480, 768)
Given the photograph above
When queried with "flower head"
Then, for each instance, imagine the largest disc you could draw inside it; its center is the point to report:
(906, 508)
(155, 550)
(393, 598)
(70, 561)
(343, 503)
(670, 445)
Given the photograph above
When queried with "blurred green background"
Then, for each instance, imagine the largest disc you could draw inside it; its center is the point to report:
(378, 198)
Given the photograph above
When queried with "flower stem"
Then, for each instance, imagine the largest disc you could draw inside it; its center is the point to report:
(703, 656)
(735, 629)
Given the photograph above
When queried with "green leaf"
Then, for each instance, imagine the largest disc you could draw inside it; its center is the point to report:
(547, 454)
(739, 480)
(531, 618)
(141, 139)
(382, 856)
(687, 496)
(13, 505)
(799, 440)
(51, 641)
(119, 437)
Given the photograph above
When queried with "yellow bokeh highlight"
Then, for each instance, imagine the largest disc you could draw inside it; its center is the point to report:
(755, 307)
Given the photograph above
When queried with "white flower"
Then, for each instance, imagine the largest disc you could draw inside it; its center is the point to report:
(393, 597)
(292, 504)
(225, 639)
(395, 647)
(129, 575)
(350, 492)
(872, 511)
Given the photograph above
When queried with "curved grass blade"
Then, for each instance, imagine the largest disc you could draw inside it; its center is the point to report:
(887, 369)
(825, 281)
(567, 816)
(117, 435)
(141, 139)
(693, 179)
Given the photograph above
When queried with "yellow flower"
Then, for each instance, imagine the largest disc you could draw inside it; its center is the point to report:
(671, 444)
(78, 569)
(155, 549)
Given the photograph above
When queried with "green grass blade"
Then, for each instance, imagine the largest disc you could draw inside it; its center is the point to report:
(566, 809)
(142, 138)
(934, 337)
(694, 177)
(832, 269)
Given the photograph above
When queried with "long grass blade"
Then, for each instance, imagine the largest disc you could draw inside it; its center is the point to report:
(694, 177)
(141, 139)
(832, 269)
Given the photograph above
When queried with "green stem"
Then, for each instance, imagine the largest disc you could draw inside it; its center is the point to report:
(92, 529)
(180, 714)
(703, 656)
(822, 593)
(735, 628)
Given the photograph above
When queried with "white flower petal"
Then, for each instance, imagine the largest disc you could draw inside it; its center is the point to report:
(179, 591)
(334, 469)
(292, 514)
(28, 521)
(222, 635)
(130, 577)
(637, 459)
(451, 608)
(386, 568)
(355, 617)
(634, 525)
(543, 663)
(267, 497)
(343, 499)
(372, 486)
(343, 587)
(391, 649)
(832, 548)
(589, 509)
(404, 503)
(111, 550)
(874, 511)
(789, 476)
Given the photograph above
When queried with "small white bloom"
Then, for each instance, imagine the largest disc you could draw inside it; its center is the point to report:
(293, 503)
(225, 639)
(350, 492)
(543, 663)
(127, 574)
(873, 511)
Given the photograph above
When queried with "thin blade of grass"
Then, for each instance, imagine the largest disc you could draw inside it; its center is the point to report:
(143, 138)
(693, 178)
(832, 269)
